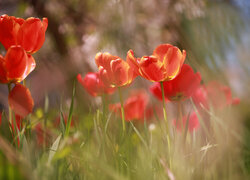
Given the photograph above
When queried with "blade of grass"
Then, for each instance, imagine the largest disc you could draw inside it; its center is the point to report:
(54, 148)
(62, 123)
(200, 119)
(70, 110)
(139, 135)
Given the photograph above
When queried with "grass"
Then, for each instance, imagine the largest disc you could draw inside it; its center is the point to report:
(96, 148)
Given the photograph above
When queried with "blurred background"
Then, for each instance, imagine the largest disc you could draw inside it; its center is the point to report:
(215, 34)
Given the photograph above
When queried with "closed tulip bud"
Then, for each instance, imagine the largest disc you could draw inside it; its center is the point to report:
(29, 33)
(114, 71)
(94, 85)
(20, 100)
(16, 65)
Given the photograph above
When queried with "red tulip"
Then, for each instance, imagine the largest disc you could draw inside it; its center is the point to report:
(134, 107)
(94, 85)
(20, 100)
(16, 65)
(192, 120)
(163, 65)
(29, 33)
(180, 88)
(114, 71)
(215, 94)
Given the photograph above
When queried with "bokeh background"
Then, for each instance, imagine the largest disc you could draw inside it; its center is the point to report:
(215, 34)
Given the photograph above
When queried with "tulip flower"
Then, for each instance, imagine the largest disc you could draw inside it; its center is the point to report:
(180, 88)
(29, 33)
(16, 65)
(215, 94)
(192, 120)
(94, 85)
(20, 100)
(134, 107)
(114, 71)
(163, 65)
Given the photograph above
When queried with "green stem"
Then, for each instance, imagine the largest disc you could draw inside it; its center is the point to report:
(122, 109)
(164, 105)
(10, 112)
(180, 115)
(166, 122)
(12, 121)
(104, 106)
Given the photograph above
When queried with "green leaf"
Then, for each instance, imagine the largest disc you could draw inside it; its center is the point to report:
(54, 148)
(70, 110)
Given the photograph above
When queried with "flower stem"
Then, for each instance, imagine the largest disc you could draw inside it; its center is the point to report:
(164, 105)
(166, 122)
(10, 112)
(122, 109)
(104, 108)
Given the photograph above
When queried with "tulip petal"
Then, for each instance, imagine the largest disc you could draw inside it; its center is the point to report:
(15, 63)
(31, 64)
(89, 83)
(120, 70)
(3, 78)
(104, 60)
(133, 62)
(151, 69)
(20, 100)
(161, 51)
(173, 62)
(7, 31)
(155, 89)
(31, 34)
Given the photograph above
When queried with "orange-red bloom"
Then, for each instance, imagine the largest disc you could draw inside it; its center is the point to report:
(180, 88)
(20, 100)
(16, 65)
(135, 107)
(163, 65)
(215, 94)
(114, 71)
(29, 33)
(94, 85)
(192, 120)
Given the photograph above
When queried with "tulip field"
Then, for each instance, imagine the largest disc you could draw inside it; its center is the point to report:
(124, 90)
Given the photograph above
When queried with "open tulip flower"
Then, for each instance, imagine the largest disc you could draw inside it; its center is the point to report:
(163, 65)
(134, 107)
(180, 88)
(215, 94)
(16, 65)
(29, 33)
(20, 100)
(94, 85)
(114, 71)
